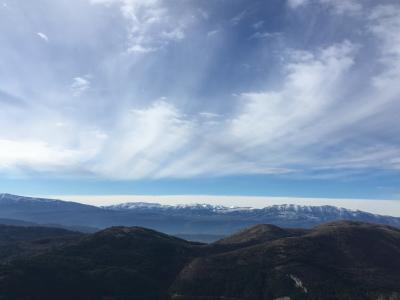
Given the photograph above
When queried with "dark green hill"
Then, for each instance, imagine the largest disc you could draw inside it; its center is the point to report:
(117, 263)
(19, 241)
(259, 234)
(341, 260)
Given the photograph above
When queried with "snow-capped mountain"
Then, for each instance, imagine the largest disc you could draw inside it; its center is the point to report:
(183, 219)
(286, 214)
(145, 206)
(9, 199)
(4, 198)
(284, 210)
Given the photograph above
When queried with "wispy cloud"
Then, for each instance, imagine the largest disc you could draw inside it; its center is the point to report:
(43, 36)
(151, 26)
(265, 35)
(80, 85)
(344, 7)
(175, 34)
(258, 25)
(159, 103)
(236, 19)
(338, 6)
(212, 32)
(297, 3)
(140, 49)
(143, 141)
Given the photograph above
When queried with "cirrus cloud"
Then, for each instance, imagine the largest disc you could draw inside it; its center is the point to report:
(326, 105)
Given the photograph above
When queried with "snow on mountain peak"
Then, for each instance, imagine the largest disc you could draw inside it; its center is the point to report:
(280, 211)
(15, 198)
(192, 206)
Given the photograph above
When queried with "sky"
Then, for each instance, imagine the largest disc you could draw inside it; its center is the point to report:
(279, 98)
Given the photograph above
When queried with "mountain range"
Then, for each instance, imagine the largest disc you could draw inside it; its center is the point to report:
(202, 222)
(338, 260)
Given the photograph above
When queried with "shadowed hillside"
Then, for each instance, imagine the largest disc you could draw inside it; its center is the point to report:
(343, 260)
(17, 241)
(117, 263)
(340, 260)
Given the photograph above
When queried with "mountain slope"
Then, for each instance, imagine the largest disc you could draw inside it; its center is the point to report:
(17, 241)
(201, 216)
(203, 220)
(45, 211)
(340, 260)
(117, 263)
(343, 260)
(259, 234)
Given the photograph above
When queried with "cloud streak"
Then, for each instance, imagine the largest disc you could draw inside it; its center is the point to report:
(80, 85)
(151, 25)
(43, 36)
(167, 95)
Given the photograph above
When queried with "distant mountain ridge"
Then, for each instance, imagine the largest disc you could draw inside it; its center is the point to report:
(278, 214)
(183, 220)
(195, 206)
(283, 209)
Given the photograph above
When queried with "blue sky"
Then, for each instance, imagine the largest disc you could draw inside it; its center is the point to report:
(294, 98)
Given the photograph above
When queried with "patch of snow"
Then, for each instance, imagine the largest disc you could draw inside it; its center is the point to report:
(15, 198)
(298, 283)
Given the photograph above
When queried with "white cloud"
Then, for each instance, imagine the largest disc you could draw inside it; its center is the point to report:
(327, 106)
(385, 25)
(213, 32)
(236, 19)
(297, 3)
(141, 49)
(344, 6)
(274, 131)
(204, 14)
(209, 115)
(144, 141)
(271, 132)
(43, 36)
(258, 25)
(174, 35)
(265, 35)
(338, 6)
(80, 85)
(274, 119)
(150, 24)
(35, 155)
